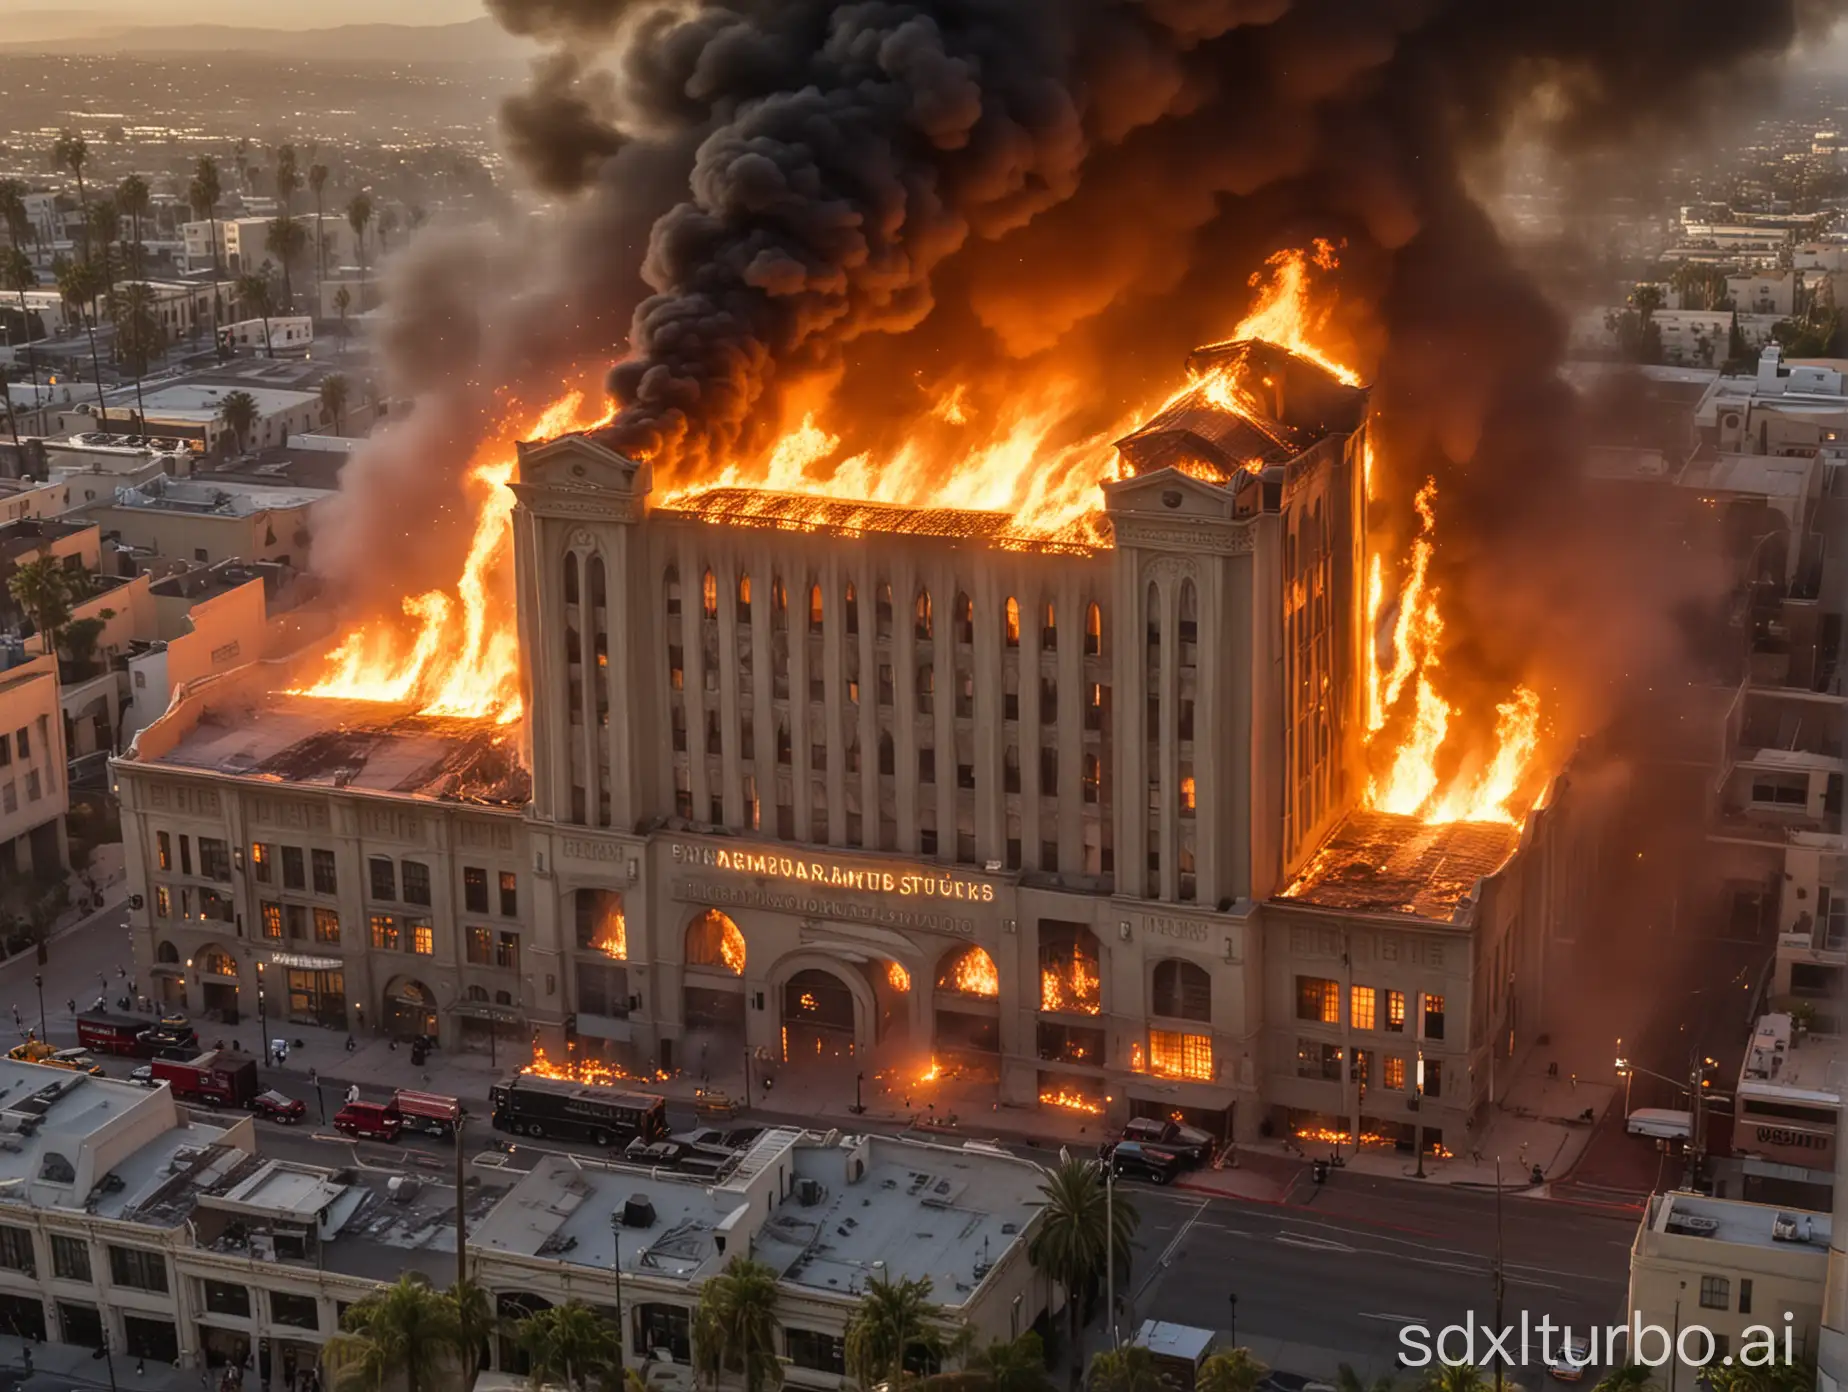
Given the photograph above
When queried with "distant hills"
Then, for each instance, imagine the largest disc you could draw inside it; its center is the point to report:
(113, 32)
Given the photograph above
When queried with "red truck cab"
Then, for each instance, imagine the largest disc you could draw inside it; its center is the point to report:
(214, 1077)
(428, 1112)
(370, 1121)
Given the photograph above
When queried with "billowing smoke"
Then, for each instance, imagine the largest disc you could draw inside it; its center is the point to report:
(880, 201)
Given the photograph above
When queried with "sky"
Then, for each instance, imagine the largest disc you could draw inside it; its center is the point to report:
(278, 14)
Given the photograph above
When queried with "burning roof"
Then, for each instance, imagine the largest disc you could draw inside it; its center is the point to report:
(1377, 862)
(845, 517)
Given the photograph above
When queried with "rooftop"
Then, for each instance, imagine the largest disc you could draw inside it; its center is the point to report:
(200, 402)
(1735, 1221)
(164, 494)
(1375, 862)
(827, 1212)
(1811, 1068)
(1756, 475)
(28, 535)
(362, 745)
(845, 517)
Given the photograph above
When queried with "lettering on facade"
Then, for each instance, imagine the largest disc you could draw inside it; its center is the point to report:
(302, 963)
(1795, 1140)
(576, 848)
(226, 652)
(1183, 929)
(749, 897)
(768, 865)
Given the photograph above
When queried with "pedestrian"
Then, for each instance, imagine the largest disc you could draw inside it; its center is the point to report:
(1575, 1082)
(352, 1092)
(350, 1045)
(72, 1003)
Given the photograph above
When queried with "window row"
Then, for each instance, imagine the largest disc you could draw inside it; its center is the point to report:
(214, 856)
(1330, 1063)
(1369, 1007)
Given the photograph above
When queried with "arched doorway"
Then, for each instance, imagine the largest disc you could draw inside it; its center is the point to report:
(713, 993)
(967, 1008)
(512, 1307)
(818, 1016)
(169, 977)
(410, 1008)
(217, 983)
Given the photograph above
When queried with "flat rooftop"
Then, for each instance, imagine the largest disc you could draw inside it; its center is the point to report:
(1757, 475)
(1375, 862)
(1747, 1224)
(846, 517)
(362, 745)
(164, 494)
(202, 401)
(840, 1212)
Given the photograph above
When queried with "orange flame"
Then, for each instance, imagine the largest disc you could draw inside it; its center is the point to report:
(1287, 315)
(612, 935)
(577, 1070)
(1070, 1101)
(897, 977)
(973, 973)
(458, 654)
(1075, 989)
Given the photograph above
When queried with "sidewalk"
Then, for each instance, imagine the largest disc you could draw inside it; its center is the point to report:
(75, 1365)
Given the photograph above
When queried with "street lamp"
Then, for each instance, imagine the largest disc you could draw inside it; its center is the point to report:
(262, 1017)
(1232, 1318)
(859, 1106)
(622, 1320)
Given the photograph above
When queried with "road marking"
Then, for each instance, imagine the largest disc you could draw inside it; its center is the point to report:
(1389, 1319)
(1320, 1244)
(1166, 1258)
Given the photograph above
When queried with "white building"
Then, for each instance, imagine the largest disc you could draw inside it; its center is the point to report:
(1772, 293)
(191, 412)
(279, 334)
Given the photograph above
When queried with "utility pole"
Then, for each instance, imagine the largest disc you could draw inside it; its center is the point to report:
(1110, 1250)
(461, 1207)
(1500, 1281)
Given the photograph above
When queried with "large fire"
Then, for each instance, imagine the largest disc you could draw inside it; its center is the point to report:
(582, 1070)
(1067, 1100)
(973, 973)
(612, 931)
(456, 654)
(1073, 987)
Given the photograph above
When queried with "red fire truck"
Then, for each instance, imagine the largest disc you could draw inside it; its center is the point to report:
(428, 1112)
(214, 1077)
(111, 1034)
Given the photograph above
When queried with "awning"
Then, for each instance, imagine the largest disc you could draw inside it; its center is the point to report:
(481, 1010)
(299, 962)
(1173, 1093)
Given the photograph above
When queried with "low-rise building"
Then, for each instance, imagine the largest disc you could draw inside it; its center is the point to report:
(1787, 1111)
(34, 795)
(1727, 1266)
(203, 522)
(279, 334)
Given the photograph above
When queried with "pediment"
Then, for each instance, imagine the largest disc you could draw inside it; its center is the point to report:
(580, 464)
(1169, 493)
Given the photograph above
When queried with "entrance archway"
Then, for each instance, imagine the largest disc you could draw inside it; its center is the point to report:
(712, 998)
(818, 1016)
(218, 983)
(410, 1008)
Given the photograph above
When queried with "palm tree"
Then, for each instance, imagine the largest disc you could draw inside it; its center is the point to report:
(1131, 1368)
(132, 198)
(202, 194)
(1231, 1370)
(105, 224)
(359, 213)
(735, 1324)
(241, 157)
(1078, 1229)
(1012, 1365)
(71, 151)
(334, 398)
(42, 587)
(288, 177)
(895, 1322)
(388, 224)
(13, 212)
(317, 183)
(475, 1324)
(238, 410)
(1455, 1377)
(139, 335)
(571, 1343)
(284, 240)
(18, 275)
(253, 293)
(1631, 1377)
(343, 300)
(402, 1332)
(77, 286)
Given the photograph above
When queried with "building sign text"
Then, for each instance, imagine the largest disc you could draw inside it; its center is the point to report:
(768, 865)
(814, 906)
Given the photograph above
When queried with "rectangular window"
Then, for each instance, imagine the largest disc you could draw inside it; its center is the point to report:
(326, 880)
(23, 744)
(1315, 1059)
(1715, 1293)
(70, 1258)
(420, 936)
(294, 873)
(1433, 1017)
(507, 951)
(164, 847)
(416, 882)
(1393, 1075)
(1318, 999)
(1745, 1295)
(262, 862)
(385, 932)
(326, 926)
(481, 946)
(185, 855)
(296, 917)
(1176, 1055)
(1433, 1077)
(214, 859)
(295, 1311)
(823, 1353)
(163, 902)
(474, 889)
(382, 874)
(1395, 1012)
(1361, 1006)
(227, 1298)
(602, 990)
(272, 920)
(138, 1269)
(16, 1249)
(510, 892)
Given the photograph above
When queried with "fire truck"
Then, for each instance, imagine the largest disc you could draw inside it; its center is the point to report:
(214, 1077)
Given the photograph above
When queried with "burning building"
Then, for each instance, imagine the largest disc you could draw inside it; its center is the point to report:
(1086, 809)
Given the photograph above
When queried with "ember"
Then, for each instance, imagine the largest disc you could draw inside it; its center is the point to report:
(973, 973)
(897, 977)
(1328, 1135)
(1070, 1101)
(577, 1070)
(611, 936)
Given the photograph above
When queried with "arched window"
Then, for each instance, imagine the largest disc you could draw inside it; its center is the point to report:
(814, 608)
(713, 940)
(593, 571)
(923, 629)
(709, 595)
(1011, 622)
(478, 994)
(882, 611)
(1183, 990)
(1190, 612)
(167, 953)
(779, 604)
(744, 598)
(964, 618)
(670, 584)
(1049, 630)
(1093, 631)
(215, 961)
(571, 577)
(969, 970)
(503, 997)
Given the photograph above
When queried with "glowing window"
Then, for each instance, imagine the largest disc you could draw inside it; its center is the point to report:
(1013, 622)
(923, 614)
(1393, 1076)
(815, 607)
(1175, 1055)
(423, 937)
(713, 940)
(709, 595)
(744, 599)
(272, 921)
(1187, 795)
(1361, 1004)
(385, 932)
(1318, 999)
(1395, 1011)
(1093, 632)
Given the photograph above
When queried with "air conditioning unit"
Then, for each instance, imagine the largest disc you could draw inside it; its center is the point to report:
(809, 1192)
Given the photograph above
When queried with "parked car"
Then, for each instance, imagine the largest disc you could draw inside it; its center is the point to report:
(1188, 1144)
(1572, 1362)
(1133, 1160)
(279, 1107)
(144, 1075)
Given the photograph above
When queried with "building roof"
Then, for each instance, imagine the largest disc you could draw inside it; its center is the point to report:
(28, 535)
(1736, 1221)
(846, 517)
(1375, 862)
(1756, 475)
(1183, 1341)
(1811, 1069)
(202, 499)
(200, 402)
(362, 745)
(828, 1213)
